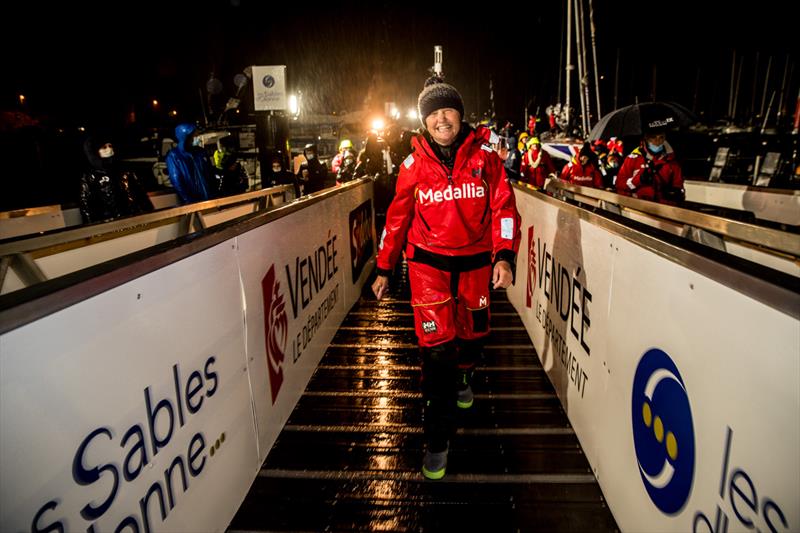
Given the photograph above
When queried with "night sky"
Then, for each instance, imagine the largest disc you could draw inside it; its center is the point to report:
(348, 57)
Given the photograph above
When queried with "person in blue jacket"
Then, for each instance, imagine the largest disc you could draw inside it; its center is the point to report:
(189, 167)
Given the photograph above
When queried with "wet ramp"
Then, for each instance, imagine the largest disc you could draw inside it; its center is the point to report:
(349, 456)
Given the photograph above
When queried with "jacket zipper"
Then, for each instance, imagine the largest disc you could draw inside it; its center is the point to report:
(449, 180)
(422, 218)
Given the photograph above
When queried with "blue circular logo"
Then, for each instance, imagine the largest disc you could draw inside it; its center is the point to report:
(268, 81)
(663, 432)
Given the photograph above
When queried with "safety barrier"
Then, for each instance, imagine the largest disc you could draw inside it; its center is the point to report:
(28, 221)
(766, 246)
(677, 365)
(144, 393)
(776, 205)
(25, 261)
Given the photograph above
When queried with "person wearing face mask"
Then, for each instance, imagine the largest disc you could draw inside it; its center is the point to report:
(651, 171)
(280, 176)
(229, 175)
(312, 173)
(106, 191)
(336, 163)
(347, 167)
(455, 217)
(190, 170)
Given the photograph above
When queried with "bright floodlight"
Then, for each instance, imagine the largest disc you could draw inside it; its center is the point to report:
(412, 114)
(293, 107)
(378, 124)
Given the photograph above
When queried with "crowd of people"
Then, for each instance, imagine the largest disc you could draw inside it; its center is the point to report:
(651, 171)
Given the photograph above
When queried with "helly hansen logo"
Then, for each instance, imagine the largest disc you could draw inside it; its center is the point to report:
(465, 190)
(429, 326)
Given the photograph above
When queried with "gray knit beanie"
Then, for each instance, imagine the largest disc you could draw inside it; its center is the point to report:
(438, 95)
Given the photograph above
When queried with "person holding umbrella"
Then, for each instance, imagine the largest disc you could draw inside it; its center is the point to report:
(651, 171)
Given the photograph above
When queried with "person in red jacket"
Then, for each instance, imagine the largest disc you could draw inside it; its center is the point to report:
(338, 159)
(583, 169)
(651, 171)
(455, 217)
(536, 164)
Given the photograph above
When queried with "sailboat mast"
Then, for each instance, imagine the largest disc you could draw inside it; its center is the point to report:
(783, 90)
(616, 82)
(733, 82)
(585, 79)
(752, 111)
(561, 59)
(736, 90)
(766, 85)
(581, 79)
(569, 66)
(594, 56)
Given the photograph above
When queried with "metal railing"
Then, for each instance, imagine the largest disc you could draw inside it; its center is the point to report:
(28, 260)
(775, 289)
(683, 222)
(34, 302)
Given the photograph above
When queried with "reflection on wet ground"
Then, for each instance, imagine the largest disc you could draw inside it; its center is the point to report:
(348, 459)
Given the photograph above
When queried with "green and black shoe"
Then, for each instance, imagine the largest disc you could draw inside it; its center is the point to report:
(434, 464)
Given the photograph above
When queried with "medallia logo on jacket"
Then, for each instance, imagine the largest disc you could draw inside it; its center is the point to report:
(276, 329)
(663, 432)
(465, 190)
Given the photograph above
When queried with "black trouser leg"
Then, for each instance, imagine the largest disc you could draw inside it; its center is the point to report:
(469, 353)
(439, 392)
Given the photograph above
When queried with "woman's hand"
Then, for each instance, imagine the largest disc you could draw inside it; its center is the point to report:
(381, 286)
(501, 276)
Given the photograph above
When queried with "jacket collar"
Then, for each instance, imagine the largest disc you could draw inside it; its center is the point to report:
(424, 145)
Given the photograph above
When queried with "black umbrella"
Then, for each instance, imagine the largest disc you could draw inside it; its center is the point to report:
(637, 119)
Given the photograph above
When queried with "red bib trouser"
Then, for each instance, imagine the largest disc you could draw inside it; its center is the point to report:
(450, 298)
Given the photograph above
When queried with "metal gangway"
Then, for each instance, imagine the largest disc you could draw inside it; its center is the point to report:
(239, 376)
(349, 456)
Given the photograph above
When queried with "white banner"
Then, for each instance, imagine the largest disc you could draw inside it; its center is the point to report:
(134, 410)
(130, 408)
(684, 393)
(269, 88)
(298, 290)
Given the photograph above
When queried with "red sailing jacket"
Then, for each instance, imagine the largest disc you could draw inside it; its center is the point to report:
(536, 166)
(466, 212)
(588, 176)
(663, 180)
